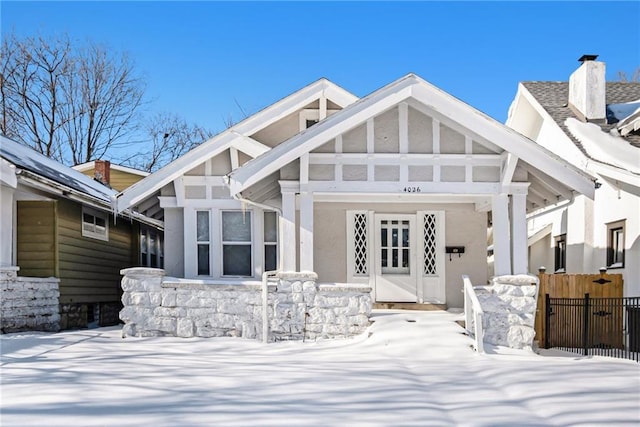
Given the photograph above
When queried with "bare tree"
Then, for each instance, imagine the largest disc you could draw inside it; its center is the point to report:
(32, 96)
(635, 77)
(170, 136)
(71, 104)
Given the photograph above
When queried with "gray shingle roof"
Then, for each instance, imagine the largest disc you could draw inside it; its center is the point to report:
(553, 97)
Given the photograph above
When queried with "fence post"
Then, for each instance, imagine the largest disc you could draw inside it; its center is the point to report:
(585, 333)
(547, 319)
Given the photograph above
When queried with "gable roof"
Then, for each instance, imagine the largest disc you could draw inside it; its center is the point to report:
(411, 86)
(91, 165)
(237, 136)
(28, 160)
(553, 98)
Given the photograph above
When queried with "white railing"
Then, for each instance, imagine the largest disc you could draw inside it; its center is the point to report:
(473, 314)
(265, 303)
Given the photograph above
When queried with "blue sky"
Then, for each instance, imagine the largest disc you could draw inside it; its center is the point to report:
(203, 59)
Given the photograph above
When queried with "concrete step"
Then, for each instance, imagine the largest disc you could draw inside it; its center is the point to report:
(409, 306)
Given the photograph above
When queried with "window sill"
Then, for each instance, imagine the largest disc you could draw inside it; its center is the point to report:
(615, 266)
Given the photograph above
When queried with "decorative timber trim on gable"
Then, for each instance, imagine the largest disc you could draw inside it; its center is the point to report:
(415, 92)
(236, 137)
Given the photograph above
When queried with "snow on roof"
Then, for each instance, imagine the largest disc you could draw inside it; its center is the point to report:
(28, 159)
(605, 147)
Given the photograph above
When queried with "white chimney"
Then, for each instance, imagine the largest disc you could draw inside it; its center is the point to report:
(587, 90)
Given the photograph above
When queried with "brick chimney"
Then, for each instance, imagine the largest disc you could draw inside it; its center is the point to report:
(102, 171)
(587, 90)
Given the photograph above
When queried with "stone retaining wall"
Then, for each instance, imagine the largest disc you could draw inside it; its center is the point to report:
(297, 307)
(28, 303)
(509, 307)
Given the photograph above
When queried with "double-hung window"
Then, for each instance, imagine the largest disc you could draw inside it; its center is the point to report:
(203, 238)
(236, 244)
(95, 224)
(615, 244)
(151, 254)
(270, 241)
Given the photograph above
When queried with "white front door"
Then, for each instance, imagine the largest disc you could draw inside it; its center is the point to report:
(395, 258)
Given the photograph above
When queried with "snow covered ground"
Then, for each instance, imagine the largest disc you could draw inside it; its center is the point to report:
(411, 369)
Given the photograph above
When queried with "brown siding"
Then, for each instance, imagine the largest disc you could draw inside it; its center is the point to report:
(90, 268)
(36, 244)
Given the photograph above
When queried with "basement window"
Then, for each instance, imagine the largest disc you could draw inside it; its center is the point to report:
(95, 225)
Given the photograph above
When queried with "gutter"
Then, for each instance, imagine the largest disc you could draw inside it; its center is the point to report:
(48, 185)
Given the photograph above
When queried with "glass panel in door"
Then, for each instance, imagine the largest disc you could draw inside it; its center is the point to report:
(395, 253)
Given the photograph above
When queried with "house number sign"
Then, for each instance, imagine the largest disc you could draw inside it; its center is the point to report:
(411, 190)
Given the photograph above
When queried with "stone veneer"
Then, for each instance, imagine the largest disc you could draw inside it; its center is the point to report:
(509, 306)
(28, 303)
(297, 307)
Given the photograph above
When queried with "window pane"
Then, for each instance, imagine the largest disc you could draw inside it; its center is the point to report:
(383, 236)
(405, 258)
(236, 260)
(394, 258)
(270, 257)
(143, 243)
(202, 223)
(383, 258)
(618, 245)
(100, 222)
(203, 260)
(270, 227)
(152, 244)
(236, 226)
(394, 237)
(87, 218)
(405, 238)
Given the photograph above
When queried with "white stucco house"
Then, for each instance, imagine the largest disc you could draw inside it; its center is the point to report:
(394, 190)
(594, 125)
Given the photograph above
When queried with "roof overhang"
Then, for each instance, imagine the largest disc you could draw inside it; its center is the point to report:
(413, 87)
(236, 136)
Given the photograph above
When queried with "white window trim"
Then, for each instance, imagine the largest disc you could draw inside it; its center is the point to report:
(266, 243)
(92, 234)
(208, 242)
(611, 227)
(252, 243)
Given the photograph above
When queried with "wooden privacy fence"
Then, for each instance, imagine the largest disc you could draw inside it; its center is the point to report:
(573, 286)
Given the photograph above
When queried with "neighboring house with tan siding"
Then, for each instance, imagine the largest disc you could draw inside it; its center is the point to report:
(119, 177)
(57, 222)
(394, 191)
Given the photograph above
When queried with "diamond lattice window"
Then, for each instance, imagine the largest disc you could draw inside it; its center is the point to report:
(430, 244)
(360, 243)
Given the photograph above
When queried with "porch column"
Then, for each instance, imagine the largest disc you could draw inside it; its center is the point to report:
(288, 226)
(519, 246)
(501, 245)
(306, 231)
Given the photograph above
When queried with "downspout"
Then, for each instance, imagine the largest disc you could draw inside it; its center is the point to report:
(266, 274)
